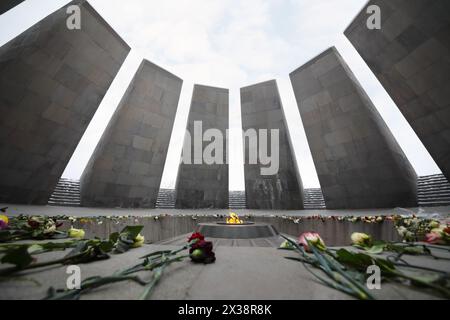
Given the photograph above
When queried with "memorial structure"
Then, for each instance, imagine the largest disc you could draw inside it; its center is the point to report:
(262, 114)
(52, 81)
(359, 163)
(127, 165)
(201, 184)
(410, 55)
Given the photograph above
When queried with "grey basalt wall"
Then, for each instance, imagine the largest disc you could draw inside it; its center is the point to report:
(52, 81)
(358, 161)
(127, 165)
(205, 185)
(7, 5)
(410, 55)
(261, 109)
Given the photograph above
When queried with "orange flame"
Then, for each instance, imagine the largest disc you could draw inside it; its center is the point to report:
(234, 219)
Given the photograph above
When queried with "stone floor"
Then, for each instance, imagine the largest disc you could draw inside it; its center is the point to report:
(240, 273)
(243, 270)
(15, 209)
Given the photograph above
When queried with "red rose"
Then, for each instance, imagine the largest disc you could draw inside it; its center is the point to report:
(206, 246)
(434, 238)
(313, 238)
(202, 251)
(33, 224)
(196, 235)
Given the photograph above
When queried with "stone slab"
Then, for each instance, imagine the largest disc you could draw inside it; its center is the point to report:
(238, 274)
(205, 185)
(262, 109)
(7, 5)
(410, 56)
(52, 81)
(126, 168)
(358, 161)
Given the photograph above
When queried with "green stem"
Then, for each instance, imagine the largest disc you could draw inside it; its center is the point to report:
(40, 265)
(93, 283)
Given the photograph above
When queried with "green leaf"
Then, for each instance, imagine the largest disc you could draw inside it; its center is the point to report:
(106, 246)
(81, 247)
(359, 261)
(19, 257)
(132, 231)
(35, 248)
(113, 237)
(385, 265)
(376, 249)
(5, 235)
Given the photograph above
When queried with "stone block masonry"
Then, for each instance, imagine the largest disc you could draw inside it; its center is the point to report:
(358, 161)
(52, 81)
(127, 165)
(410, 55)
(7, 5)
(205, 185)
(262, 109)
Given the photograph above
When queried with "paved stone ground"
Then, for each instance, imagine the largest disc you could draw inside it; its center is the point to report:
(15, 209)
(239, 273)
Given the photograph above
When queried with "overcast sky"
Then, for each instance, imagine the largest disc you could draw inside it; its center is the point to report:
(230, 44)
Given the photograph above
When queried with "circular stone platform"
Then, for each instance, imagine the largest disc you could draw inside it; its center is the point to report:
(237, 231)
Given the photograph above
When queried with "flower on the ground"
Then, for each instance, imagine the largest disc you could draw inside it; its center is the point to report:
(201, 251)
(34, 222)
(434, 224)
(447, 230)
(361, 239)
(434, 238)
(50, 228)
(196, 236)
(286, 245)
(76, 233)
(138, 241)
(402, 231)
(4, 221)
(440, 235)
(313, 238)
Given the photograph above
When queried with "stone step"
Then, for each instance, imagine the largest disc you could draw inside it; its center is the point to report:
(68, 185)
(313, 199)
(431, 178)
(166, 199)
(433, 190)
(427, 185)
(430, 196)
(65, 196)
(58, 203)
(434, 204)
(66, 193)
(66, 203)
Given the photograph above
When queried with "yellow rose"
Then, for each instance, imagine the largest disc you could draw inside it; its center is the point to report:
(361, 239)
(76, 233)
(138, 241)
(434, 224)
(3, 222)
